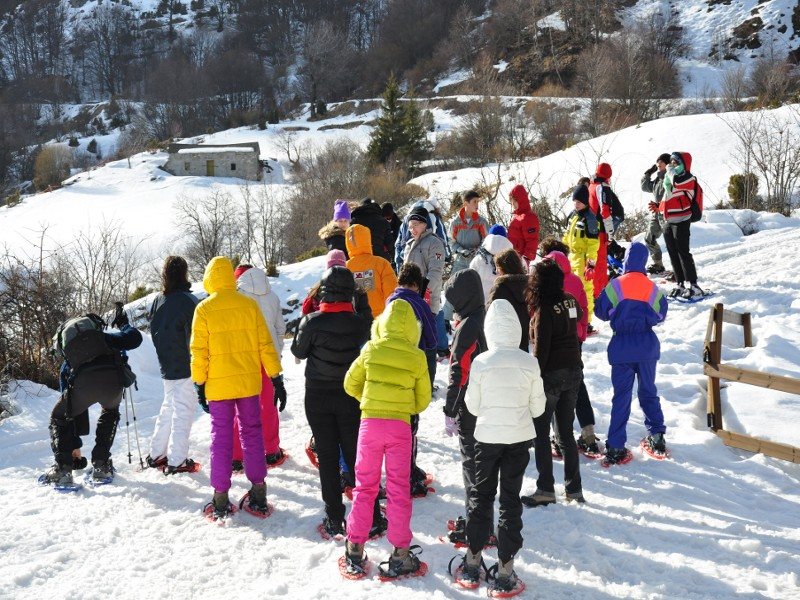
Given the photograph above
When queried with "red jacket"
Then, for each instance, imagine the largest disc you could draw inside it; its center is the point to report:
(523, 231)
(676, 206)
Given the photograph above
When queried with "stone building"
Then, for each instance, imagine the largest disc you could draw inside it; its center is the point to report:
(228, 160)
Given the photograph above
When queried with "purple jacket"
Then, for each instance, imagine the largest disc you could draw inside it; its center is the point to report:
(422, 311)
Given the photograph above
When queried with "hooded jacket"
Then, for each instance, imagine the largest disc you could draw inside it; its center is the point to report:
(254, 283)
(331, 338)
(171, 327)
(428, 254)
(676, 203)
(373, 274)
(464, 292)
(390, 376)
(634, 305)
(333, 236)
(505, 390)
(466, 235)
(573, 285)
(523, 231)
(434, 224)
(369, 214)
(512, 288)
(483, 261)
(427, 320)
(230, 340)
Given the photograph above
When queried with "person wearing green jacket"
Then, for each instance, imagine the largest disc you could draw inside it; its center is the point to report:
(390, 381)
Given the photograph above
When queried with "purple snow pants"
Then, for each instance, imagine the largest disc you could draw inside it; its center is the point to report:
(379, 438)
(222, 413)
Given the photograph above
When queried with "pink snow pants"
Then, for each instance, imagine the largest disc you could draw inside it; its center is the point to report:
(222, 413)
(269, 421)
(379, 438)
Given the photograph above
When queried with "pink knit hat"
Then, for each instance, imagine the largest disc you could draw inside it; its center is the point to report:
(336, 258)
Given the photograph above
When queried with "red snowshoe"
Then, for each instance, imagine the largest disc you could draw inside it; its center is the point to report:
(261, 513)
(218, 516)
(592, 450)
(352, 569)
(655, 447)
(311, 453)
(277, 459)
(616, 456)
(394, 569)
(503, 587)
(187, 466)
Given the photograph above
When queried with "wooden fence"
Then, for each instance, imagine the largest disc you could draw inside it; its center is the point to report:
(716, 370)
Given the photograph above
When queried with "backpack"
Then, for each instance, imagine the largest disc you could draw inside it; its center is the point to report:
(697, 203)
(617, 210)
(81, 340)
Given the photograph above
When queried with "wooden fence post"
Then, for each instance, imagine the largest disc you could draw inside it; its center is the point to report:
(748, 331)
(714, 399)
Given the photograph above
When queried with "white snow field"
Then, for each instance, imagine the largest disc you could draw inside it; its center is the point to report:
(713, 522)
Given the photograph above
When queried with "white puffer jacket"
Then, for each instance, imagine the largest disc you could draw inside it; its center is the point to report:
(483, 261)
(255, 284)
(505, 389)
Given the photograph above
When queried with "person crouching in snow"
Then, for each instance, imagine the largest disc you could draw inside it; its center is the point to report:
(170, 327)
(390, 380)
(634, 305)
(230, 344)
(254, 283)
(505, 394)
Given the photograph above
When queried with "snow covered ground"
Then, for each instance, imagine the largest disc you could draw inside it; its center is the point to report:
(713, 522)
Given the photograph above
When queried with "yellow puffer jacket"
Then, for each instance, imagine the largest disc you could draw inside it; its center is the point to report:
(373, 274)
(390, 376)
(230, 340)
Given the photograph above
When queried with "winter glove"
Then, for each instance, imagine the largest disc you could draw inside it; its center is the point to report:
(200, 388)
(651, 170)
(450, 426)
(652, 207)
(588, 272)
(120, 319)
(280, 392)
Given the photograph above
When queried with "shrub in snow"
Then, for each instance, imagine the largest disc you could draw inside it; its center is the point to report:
(747, 220)
(743, 190)
(73, 142)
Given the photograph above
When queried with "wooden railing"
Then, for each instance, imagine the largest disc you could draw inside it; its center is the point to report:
(716, 370)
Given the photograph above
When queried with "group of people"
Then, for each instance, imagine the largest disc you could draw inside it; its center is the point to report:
(371, 333)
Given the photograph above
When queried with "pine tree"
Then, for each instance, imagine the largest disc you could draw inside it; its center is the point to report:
(389, 135)
(416, 147)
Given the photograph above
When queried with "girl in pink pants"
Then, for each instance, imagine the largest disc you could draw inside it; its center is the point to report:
(390, 381)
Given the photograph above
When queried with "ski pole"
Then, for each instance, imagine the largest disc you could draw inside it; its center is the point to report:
(127, 428)
(135, 428)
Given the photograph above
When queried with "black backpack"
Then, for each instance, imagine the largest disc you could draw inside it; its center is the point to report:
(81, 340)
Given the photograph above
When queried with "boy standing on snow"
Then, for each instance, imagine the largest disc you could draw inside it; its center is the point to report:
(634, 305)
(523, 231)
(655, 227)
(505, 393)
(230, 344)
(582, 239)
(390, 380)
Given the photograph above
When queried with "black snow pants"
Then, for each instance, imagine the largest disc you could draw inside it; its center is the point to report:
(506, 462)
(676, 237)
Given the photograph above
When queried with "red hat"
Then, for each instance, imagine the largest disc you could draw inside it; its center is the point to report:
(603, 170)
(241, 269)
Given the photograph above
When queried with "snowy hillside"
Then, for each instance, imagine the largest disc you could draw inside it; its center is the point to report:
(713, 522)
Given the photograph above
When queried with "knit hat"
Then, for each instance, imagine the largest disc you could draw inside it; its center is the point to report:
(603, 170)
(498, 230)
(341, 210)
(418, 213)
(581, 194)
(676, 156)
(241, 269)
(663, 158)
(387, 210)
(336, 258)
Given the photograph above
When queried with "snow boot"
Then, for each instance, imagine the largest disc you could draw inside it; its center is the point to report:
(219, 508)
(693, 291)
(503, 581)
(102, 470)
(156, 463)
(587, 445)
(187, 466)
(656, 446)
(617, 456)
(468, 573)
(275, 458)
(331, 529)
(458, 533)
(402, 562)
(257, 500)
(353, 565)
(59, 476)
(539, 498)
(575, 497)
(656, 269)
(237, 466)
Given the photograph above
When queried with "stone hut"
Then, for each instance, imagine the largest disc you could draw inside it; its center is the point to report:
(228, 160)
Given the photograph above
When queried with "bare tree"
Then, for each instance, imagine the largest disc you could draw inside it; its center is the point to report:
(265, 229)
(326, 60)
(110, 38)
(733, 88)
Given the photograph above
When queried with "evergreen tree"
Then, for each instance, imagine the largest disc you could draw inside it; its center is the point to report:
(389, 133)
(416, 147)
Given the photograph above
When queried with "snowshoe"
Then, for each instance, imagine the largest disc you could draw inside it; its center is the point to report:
(589, 449)
(354, 564)
(420, 487)
(402, 563)
(538, 498)
(187, 466)
(656, 269)
(156, 463)
(331, 530)
(503, 581)
(311, 453)
(276, 459)
(255, 502)
(220, 508)
(101, 473)
(457, 535)
(616, 456)
(555, 449)
(465, 574)
(60, 478)
(655, 446)
(683, 299)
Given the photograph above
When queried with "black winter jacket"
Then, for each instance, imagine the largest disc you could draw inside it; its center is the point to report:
(512, 288)
(370, 216)
(171, 327)
(465, 293)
